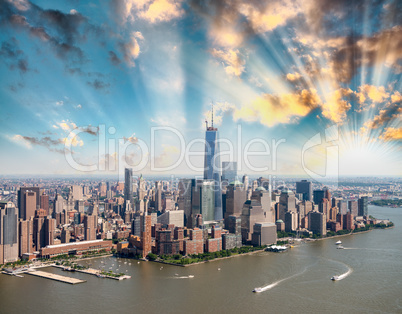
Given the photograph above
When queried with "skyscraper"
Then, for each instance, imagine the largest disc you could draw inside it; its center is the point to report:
(158, 196)
(212, 166)
(229, 171)
(363, 206)
(128, 186)
(33, 202)
(318, 196)
(8, 233)
(305, 188)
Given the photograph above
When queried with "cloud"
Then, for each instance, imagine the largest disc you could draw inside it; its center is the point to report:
(335, 106)
(131, 49)
(99, 85)
(131, 139)
(391, 134)
(270, 109)
(69, 126)
(268, 16)
(293, 76)
(392, 112)
(21, 5)
(114, 59)
(234, 65)
(153, 11)
(373, 93)
(161, 11)
(13, 57)
(384, 47)
(47, 142)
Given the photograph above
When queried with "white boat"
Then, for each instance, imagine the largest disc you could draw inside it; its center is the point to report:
(335, 278)
(257, 290)
(338, 242)
(340, 247)
(190, 276)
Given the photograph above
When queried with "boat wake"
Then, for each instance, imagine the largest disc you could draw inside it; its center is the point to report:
(183, 277)
(274, 284)
(344, 275)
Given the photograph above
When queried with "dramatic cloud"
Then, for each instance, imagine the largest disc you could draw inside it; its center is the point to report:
(384, 47)
(21, 5)
(268, 16)
(270, 110)
(292, 77)
(234, 65)
(161, 11)
(391, 134)
(13, 57)
(131, 49)
(392, 112)
(336, 106)
(153, 11)
(372, 93)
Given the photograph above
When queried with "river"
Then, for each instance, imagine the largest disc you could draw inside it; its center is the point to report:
(297, 281)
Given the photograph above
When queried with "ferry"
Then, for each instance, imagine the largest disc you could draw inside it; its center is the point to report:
(338, 242)
(335, 278)
(276, 248)
(257, 290)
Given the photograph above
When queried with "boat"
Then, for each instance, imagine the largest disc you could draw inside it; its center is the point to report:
(338, 242)
(190, 276)
(257, 290)
(335, 278)
(340, 247)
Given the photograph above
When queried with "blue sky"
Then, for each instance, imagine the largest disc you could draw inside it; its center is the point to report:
(276, 69)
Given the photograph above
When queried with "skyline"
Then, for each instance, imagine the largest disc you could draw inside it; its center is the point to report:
(283, 70)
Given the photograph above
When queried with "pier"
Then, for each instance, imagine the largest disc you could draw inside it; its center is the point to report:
(56, 277)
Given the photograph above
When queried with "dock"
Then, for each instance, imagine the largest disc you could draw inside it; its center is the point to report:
(56, 277)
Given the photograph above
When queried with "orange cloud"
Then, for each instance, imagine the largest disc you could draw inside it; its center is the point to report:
(335, 107)
(374, 93)
(234, 64)
(270, 109)
(391, 134)
(293, 77)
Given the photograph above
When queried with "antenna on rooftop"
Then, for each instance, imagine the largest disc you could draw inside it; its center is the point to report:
(212, 114)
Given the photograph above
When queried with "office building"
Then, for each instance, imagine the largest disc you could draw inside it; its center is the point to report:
(318, 195)
(264, 234)
(229, 171)
(128, 187)
(363, 206)
(212, 168)
(8, 233)
(90, 227)
(32, 201)
(236, 195)
(44, 203)
(317, 223)
(305, 187)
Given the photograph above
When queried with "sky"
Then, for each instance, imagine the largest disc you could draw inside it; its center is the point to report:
(301, 88)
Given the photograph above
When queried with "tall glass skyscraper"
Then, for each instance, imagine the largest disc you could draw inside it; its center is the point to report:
(128, 186)
(212, 166)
